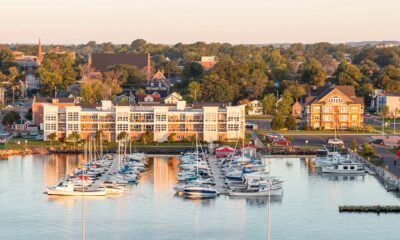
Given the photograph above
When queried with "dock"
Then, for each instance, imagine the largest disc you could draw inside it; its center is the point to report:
(373, 209)
(217, 176)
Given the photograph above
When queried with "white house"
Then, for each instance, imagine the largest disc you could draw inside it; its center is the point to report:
(255, 108)
(173, 98)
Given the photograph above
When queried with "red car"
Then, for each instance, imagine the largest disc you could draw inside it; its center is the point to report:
(282, 142)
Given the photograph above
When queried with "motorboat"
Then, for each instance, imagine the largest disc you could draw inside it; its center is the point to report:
(68, 189)
(345, 168)
(203, 191)
(265, 188)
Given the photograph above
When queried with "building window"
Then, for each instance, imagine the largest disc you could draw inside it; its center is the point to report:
(327, 109)
(316, 109)
(328, 118)
(233, 127)
(343, 109)
(335, 99)
(122, 127)
(354, 109)
(50, 117)
(161, 117)
(316, 117)
(354, 117)
(136, 128)
(344, 117)
(210, 128)
(73, 116)
(73, 127)
(50, 127)
(149, 128)
(122, 117)
(161, 127)
(211, 117)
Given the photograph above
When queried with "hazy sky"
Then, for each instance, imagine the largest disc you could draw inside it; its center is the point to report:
(172, 21)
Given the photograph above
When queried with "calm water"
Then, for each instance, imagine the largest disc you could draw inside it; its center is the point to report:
(308, 209)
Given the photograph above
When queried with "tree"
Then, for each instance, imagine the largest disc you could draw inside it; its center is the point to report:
(313, 73)
(194, 91)
(290, 122)
(10, 118)
(368, 150)
(56, 73)
(268, 103)
(284, 104)
(277, 122)
(52, 137)
(215, 89)
(74, 137)
(384, 112)
(147, 137)
(6, 59)
(28, 114)
(192, 70)
(95, 90)
(126, 74)
(171, 137)
(122, 136)
(99, 135)
(354, 144)
(348, 74)
(247, 104)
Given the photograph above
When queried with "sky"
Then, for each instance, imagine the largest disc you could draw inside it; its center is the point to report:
(186, 21)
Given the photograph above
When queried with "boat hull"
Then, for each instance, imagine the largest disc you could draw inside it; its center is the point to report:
(69, 193)
(273, 192)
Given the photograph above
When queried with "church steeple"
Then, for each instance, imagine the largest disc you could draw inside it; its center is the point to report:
(39, 53)
(148, 75)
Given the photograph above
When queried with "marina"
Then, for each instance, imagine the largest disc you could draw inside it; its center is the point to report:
(151, 209)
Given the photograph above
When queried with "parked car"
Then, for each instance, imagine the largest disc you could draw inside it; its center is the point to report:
(335, 141)
(282, 142)
(376, 141)
(250, 125)
(272, 136)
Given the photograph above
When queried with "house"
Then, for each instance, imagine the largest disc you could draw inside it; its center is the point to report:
(208, 62)
(126, 98)
(22, 125)
(392, 100)
(255, 108)
(149, 98)
(297, 110)
(334, 106)
(159, 83)
(173, 98)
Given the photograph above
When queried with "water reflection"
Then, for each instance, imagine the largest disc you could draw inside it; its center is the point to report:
(57, 167)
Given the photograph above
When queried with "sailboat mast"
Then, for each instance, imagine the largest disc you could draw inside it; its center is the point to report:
(197, 157)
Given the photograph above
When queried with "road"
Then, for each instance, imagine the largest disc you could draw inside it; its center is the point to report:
(389, 159)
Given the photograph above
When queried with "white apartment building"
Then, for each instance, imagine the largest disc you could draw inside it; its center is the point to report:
(211, 122)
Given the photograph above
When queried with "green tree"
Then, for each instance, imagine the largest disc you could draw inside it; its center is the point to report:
(171, 137)
(52, 138)
(368, 150)
(290, 122)
(384, 111)
(74, 137)
(56, 73)
(10, 118)
(122, 136)
(194, 91)
(269, 104)
(348, 74)
(28, 114)
(147, 137)
(354, 144)
(95, 90)
(284, 104)
(192, 70)
(277, 122)
(313, 73)
(215, 89)
(7, 59)
(126, 74)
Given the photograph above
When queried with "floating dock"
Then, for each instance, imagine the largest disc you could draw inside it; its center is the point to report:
(217, 177)
(373, 208)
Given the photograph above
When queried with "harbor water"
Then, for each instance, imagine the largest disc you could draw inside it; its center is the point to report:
(150, 210)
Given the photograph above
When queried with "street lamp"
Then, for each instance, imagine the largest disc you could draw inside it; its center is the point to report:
(306, 143)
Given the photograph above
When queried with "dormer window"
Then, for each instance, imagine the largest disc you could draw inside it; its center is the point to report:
(335, 99)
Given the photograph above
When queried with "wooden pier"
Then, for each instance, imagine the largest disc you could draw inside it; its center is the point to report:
(373, 208)
(217, 176)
